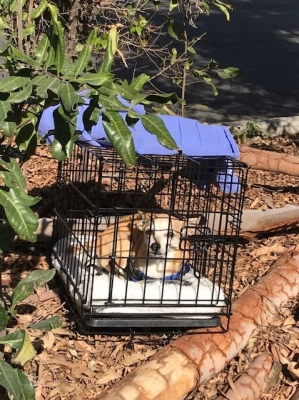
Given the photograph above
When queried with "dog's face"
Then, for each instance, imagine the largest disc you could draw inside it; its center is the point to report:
(161, 233)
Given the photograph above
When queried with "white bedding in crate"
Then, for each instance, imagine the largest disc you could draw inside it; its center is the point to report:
(194, 296)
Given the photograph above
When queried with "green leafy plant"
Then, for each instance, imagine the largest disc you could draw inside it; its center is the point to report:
(46, 77)
(41, 76)
(13, 379)
(249, 131)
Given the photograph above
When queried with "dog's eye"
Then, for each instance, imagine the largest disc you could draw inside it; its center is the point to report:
(148, 232)
(170, 234)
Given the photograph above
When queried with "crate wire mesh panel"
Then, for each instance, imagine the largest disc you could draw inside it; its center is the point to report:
(150, 245)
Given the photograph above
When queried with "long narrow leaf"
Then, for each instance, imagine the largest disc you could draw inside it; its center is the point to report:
(38, 11)
(14, 339)
(27, 285)
(54, 11)
(4, 24)
(93, 79)
(44, 83)
(21, 95)
(26, 351)
(60, 43)
(65, 134)
(25, 59)
(60, 53)
(42, 49)
(50, 60)
(48, 324)
(8, 124)
(85, 55)
(12, 83)
(69, 97)
(127, 91)
(120, 136)
(110, 88)
(156, 126)
(111, 102)
(110, 51)
(22, 219)
(138, 82)
(12, 175)
(16, 382)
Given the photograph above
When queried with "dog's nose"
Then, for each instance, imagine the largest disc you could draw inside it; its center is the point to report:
(155, 247)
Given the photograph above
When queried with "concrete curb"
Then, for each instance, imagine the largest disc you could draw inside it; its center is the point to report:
(272, 126)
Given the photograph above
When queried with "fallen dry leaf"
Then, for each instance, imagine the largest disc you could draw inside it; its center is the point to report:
(108, 376)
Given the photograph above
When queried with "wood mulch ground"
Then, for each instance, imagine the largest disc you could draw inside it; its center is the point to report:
(71, 366)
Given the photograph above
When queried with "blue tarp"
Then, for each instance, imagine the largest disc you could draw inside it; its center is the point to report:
(193, 138)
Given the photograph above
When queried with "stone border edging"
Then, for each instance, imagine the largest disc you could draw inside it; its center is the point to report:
(273, 126)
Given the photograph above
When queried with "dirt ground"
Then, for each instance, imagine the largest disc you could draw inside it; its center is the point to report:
(71, 366)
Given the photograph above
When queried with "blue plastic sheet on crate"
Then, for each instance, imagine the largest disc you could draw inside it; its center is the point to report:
(193, 138)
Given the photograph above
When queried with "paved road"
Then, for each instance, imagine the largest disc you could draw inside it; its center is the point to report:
(262, 39)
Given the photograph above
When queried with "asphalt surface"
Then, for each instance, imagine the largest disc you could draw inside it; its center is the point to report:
(262, 39)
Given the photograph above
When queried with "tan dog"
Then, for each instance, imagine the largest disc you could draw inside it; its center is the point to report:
(152, 240)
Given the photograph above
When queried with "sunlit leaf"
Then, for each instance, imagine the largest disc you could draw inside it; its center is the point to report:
(13, 83)
(27, 285)
(138, 82)
(22, 219)
(4, 24)
(14, 339)
(69, 97)
(224, 9)
(120, 136)
(94, 79)
(48, 324)
(20, 340)
(12, 175)
(110, 51)
(39, 10)
(29, 30)
(230, 72)
(85, 54)
(156, 126)
(111, 102)
(21, 95)
(42, 49)
(208, 80)
(16, 382)
(173, 4)
(26, 352)
(25, 59)
(43, 83)
(173, 29)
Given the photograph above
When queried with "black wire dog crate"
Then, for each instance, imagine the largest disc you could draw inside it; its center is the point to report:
(150, 245)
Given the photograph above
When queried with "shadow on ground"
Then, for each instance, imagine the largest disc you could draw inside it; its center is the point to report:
(262, 40)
